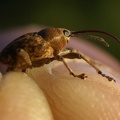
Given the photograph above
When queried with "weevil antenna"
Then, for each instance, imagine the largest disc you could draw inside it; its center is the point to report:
(97, 31)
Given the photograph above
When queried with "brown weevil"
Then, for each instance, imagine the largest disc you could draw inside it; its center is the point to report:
(38, 48)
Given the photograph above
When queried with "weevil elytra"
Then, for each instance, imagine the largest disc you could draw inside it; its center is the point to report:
(38, 48)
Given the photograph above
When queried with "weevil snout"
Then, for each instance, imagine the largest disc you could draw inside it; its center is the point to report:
(82, 33)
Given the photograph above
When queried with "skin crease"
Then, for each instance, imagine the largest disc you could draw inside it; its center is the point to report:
(49, 92)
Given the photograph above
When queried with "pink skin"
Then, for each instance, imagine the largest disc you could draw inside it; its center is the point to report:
(67, 97)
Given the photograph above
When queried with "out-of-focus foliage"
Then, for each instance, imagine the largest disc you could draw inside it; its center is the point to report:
(72, 14)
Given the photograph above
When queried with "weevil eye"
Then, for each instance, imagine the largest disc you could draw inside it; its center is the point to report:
(66, 33)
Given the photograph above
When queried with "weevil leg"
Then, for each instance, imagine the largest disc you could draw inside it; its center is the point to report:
(72, 54)
(60, 58)
(23, 60)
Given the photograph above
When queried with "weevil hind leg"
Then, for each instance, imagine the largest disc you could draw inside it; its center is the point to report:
(23, 60)
(72, 54)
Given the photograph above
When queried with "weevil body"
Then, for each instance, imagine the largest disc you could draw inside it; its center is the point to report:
(31, 49)
(39, 48)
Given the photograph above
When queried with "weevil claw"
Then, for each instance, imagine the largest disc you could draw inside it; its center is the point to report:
(82, 76)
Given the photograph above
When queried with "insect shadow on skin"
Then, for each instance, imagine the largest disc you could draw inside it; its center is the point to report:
(38, 48)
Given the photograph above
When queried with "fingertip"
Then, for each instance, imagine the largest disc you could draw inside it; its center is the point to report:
(22, 99)
(72, 98)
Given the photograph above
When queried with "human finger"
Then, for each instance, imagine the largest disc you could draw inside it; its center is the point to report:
(22, 99)
(72, 98)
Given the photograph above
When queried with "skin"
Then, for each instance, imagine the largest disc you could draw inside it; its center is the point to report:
(49, 92)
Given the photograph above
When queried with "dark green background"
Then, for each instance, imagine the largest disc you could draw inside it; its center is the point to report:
(71, 14)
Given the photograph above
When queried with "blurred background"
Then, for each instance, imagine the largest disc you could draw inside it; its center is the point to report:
(71, 14)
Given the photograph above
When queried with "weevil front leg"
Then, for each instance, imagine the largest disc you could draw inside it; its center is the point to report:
(60, 58)
(72, 54)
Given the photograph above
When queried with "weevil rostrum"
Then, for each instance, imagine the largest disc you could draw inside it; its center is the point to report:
(38, 48)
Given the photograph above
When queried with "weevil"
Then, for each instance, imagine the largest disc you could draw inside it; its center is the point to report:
(38, 48)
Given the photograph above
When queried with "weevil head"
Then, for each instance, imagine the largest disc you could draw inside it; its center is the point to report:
(57, 37)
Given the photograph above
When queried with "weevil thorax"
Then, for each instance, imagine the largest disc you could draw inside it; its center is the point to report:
(56, 37)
